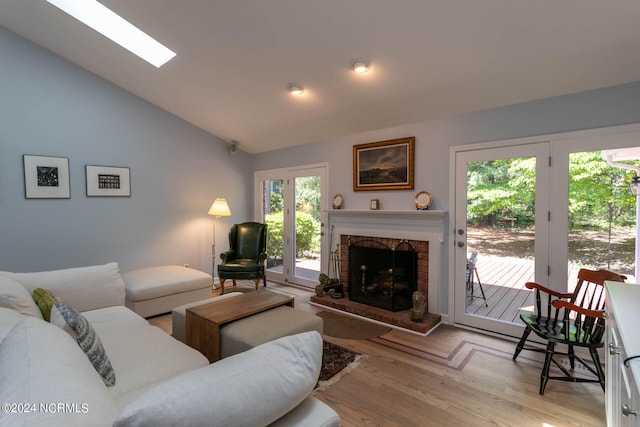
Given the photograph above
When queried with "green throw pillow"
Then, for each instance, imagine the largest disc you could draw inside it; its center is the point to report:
(44, 300)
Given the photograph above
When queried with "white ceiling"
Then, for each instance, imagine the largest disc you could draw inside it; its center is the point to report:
(429, 58)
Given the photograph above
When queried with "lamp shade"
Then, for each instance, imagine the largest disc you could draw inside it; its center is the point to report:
(220, 208)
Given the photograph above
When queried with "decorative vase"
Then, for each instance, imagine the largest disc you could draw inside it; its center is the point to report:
(419, 306)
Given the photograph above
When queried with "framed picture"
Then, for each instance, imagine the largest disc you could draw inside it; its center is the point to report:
(107, 181)
(46, 177)
(384, 165)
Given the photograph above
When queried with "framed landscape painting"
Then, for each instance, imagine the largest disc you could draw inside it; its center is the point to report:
(384, 165)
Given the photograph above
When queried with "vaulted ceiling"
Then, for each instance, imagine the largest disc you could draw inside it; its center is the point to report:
(429, 58)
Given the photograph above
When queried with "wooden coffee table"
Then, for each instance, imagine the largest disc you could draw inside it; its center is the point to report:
(204, 321)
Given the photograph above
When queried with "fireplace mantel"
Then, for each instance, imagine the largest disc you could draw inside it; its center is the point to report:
(412, 225)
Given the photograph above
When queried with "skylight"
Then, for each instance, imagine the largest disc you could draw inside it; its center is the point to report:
(114, 27)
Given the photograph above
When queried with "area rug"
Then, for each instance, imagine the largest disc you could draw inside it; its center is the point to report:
(336, 362)
(339, 326)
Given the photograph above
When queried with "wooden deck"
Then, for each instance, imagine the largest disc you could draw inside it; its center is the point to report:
(503, 281)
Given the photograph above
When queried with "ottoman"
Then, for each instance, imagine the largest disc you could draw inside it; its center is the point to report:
(244, 334)
(156, 290)
(249, 332)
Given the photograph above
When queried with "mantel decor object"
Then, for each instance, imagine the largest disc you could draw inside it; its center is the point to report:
(384, 165)
(423, 200)
(337, 201)
(419, 306)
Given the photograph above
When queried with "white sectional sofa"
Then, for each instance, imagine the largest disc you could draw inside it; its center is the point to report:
(47, 379)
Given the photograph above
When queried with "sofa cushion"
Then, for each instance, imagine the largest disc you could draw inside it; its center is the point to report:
(141, 355)
(8, 319)
(44, 300)
(84, 288)
(41, 365)
(14, 296)
(64, 316)
(253, 388)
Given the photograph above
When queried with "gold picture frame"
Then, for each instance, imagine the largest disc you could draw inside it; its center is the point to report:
(384, 165)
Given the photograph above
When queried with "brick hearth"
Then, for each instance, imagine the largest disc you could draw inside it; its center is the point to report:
(400, 319)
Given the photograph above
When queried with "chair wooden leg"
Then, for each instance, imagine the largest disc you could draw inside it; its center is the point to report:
(572, 357)
(544, 377)
(257, 281)
(520, 345)
(598, 367)
(234, 282)
(264, 279)
(222, 285)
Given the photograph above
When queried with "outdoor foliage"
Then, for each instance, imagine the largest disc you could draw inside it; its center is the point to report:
(599, 194)
(275, 245)
(307, 197)
(502, 192)
(307, 234)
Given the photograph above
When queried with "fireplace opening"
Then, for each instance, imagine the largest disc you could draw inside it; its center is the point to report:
(382, 276)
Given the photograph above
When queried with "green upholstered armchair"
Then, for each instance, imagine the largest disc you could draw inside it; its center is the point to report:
(246, 256)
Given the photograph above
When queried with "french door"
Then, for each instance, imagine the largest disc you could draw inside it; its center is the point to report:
(291, 201)
(527, 210)
(501, 228)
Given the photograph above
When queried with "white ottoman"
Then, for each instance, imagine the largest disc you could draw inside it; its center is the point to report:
(157, 290)
(249, 332)
(244, 334)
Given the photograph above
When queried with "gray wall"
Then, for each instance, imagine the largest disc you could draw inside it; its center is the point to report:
(598, 108)
(587, 110)
(50, 107)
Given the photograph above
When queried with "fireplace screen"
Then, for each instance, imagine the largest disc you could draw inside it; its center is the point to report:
(382, 276)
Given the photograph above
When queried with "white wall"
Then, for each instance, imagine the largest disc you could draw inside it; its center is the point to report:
(598, 108)
(50, 107)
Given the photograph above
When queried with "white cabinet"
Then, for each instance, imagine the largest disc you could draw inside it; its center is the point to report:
(622, 343)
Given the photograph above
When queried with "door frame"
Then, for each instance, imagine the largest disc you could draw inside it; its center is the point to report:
(288, 174)
(561, 144)
(541, 151)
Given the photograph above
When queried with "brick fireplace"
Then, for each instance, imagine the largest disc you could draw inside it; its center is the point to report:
(384, 287)
(422, 231)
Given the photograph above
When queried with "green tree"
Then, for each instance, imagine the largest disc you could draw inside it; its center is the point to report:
(308, 195)
(599, 194)
(501, 189)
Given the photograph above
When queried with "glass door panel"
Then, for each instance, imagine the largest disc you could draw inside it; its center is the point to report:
(307, 218)
(500, 216)
(273, 216)
(290, 202)
(601, 216)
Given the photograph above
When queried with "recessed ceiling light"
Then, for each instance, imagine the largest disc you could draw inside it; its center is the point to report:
(114, 27)
(360, 66)
(295, 89)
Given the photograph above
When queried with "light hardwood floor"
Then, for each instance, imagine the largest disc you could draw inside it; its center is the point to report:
(452, 377)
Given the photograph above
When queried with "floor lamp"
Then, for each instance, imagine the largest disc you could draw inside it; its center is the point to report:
(218, 208)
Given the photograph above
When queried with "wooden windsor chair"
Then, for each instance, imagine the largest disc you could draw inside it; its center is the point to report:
(575, 319)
